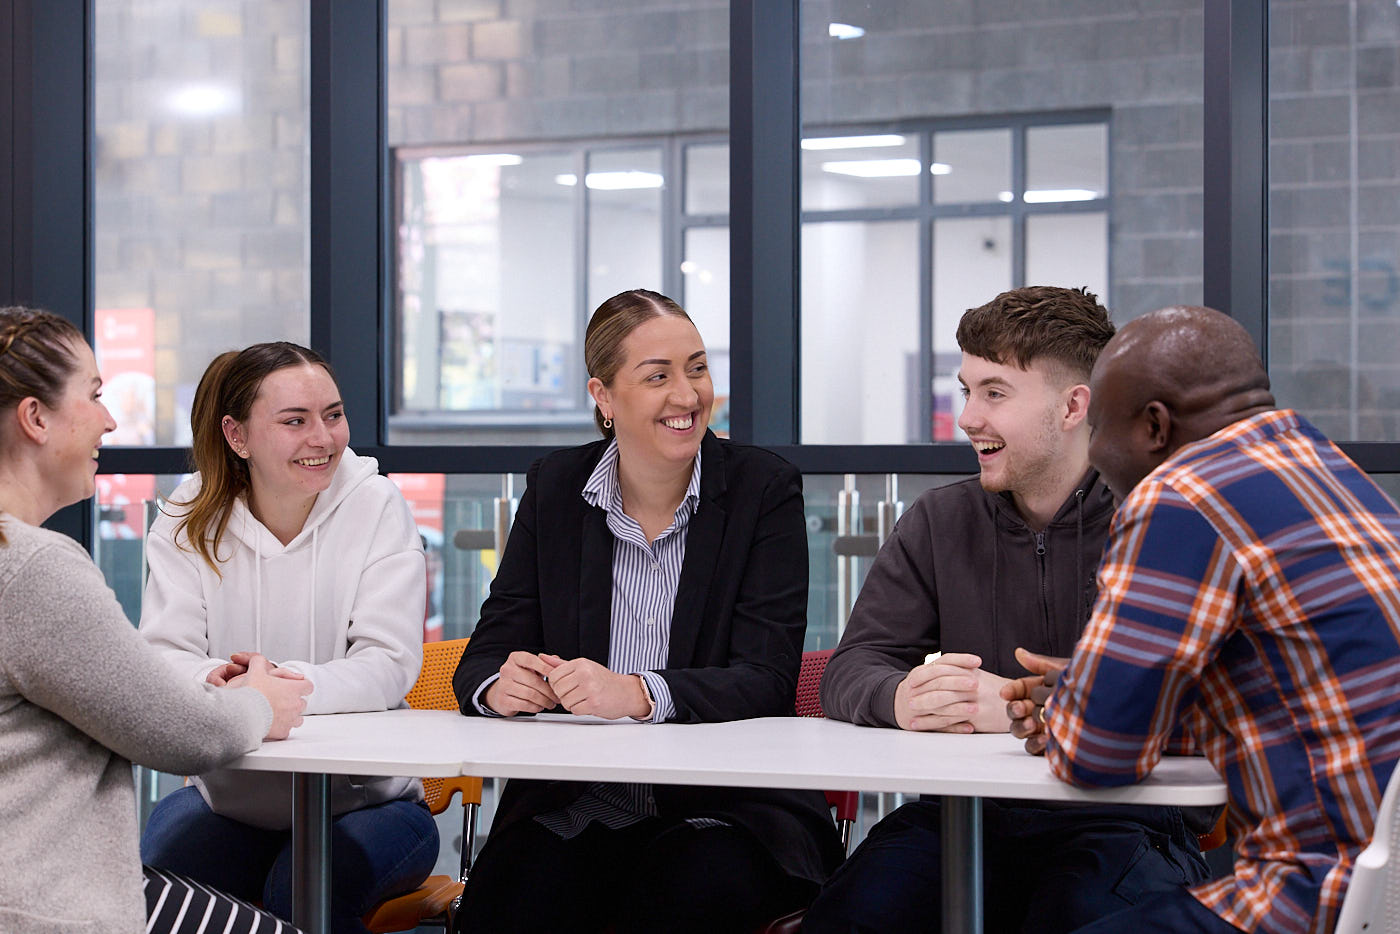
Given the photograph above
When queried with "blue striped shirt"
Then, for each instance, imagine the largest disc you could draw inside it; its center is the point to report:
(645, 576)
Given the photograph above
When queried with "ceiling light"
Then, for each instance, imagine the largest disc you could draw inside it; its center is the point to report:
(1049, 195)
(204, 100)
(493, 158)
(844, 31)
(1005, 197)
(874, 168)
(940, 168)
(852, 142)
(614, 181)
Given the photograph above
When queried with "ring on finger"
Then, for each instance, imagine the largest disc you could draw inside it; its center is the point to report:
(1040, 714)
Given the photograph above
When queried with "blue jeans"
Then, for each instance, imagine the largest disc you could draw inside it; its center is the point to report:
(1045, 871)
(376, 852)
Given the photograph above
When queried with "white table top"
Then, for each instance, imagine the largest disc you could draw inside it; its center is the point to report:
(773, 752)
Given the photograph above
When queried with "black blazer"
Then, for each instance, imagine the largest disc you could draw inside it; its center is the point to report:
(736, 631)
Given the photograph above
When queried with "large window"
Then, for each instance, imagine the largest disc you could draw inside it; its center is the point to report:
(502, 255)
(200, 197)
(1334, 214)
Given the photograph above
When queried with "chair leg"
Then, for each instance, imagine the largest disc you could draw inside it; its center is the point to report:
(468, 840)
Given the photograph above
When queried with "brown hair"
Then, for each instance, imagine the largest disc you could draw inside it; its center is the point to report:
(616, 318)
(36, 357)
(1066, 327)
(228, 387)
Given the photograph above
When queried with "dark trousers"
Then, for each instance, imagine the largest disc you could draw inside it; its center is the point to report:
(376, 852)
(1175, 912)
(1044, 871)
(651, 876)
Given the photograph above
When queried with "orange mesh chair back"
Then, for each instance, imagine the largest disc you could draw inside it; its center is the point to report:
(435, 900)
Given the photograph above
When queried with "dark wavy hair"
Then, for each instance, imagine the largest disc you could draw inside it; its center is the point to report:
(1065, 327)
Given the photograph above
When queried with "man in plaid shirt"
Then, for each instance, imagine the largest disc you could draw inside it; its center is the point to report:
(1249, 595)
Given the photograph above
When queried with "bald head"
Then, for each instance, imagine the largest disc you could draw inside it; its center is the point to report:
(1165, 380)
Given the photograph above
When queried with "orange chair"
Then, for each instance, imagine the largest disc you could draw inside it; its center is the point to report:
(437, 899)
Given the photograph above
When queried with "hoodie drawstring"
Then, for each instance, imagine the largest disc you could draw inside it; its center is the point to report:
(1079, 619)
(257, 591)
(311, 623)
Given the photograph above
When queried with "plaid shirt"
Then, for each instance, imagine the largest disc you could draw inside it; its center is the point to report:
(1250, 592)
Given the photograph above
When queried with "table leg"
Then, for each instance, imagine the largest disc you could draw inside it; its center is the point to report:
(311, 852)
(962, 865)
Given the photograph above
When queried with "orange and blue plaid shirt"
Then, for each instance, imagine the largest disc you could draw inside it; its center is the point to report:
(1250, 593)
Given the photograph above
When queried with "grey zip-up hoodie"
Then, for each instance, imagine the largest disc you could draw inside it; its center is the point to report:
(962, 572)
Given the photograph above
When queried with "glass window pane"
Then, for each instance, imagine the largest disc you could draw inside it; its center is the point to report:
(624, 223)
(614, 92)
(707, 179)
(971, 165)
(201, 208)
(1013, 98)
(1334, 215)
(1069, 250)
(1066, 163)
(972, 264)
(480, 233)
(706, 300)
(860, 333)
(840, 172)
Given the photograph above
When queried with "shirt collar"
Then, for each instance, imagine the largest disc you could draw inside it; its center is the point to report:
(603, 490)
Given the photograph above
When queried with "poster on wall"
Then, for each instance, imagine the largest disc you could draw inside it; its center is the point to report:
(425, 493)
(125, 347)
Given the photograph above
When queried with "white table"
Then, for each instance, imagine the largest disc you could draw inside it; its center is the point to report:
(775, 752)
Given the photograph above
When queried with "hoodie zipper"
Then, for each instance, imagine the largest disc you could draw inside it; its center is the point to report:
(1044, 594)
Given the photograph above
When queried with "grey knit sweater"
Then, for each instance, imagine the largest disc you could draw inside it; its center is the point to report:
(81, 698)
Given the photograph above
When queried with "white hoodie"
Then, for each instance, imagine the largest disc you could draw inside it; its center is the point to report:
(342, 603)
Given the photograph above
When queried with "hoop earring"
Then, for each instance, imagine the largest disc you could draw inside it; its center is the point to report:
(607, 423)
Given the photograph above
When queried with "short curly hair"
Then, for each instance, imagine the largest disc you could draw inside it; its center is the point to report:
(1041, 323)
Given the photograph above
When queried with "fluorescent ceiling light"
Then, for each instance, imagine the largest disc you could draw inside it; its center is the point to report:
(203, 100)
(940, 168)
(844, 31)
(1048, 195)
(852, 142)
(493, 158)
(874, 168)
(614, 181)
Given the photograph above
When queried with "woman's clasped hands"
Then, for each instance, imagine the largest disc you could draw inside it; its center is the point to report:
(531, 683)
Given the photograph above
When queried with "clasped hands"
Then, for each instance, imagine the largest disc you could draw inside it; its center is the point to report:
(954, 694)
(284, 688)
(531, 683)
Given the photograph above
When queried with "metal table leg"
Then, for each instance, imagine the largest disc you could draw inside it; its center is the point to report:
(962, 865)
(311, 852)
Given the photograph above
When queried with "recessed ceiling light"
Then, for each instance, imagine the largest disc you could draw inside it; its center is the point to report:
(940, 168)
(1049, 195)
(493, 158)
(874, 168)
(614, 181)
(204, 100)
(852, 142)
(844, 31)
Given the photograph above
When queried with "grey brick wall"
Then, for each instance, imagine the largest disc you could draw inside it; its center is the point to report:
(205, 219)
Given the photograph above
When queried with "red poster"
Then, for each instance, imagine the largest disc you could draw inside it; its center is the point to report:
(126, 356)
(425, 493)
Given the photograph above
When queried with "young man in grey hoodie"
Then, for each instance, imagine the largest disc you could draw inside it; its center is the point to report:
(972, 571)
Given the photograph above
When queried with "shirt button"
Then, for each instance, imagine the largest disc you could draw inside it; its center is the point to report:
(656, 569)
(651, 622)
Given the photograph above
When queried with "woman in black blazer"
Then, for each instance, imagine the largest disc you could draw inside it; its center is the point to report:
(611, 541)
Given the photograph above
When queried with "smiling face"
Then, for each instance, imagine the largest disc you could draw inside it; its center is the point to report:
(661, 396)
(293, 436)
(76, 427)
(1014, 420)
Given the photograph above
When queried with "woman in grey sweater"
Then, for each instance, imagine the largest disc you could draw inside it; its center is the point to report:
(81, 695)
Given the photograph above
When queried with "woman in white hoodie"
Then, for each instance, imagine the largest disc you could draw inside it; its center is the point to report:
(289, 545)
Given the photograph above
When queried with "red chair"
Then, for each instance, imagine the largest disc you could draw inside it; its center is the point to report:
(845, 803)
